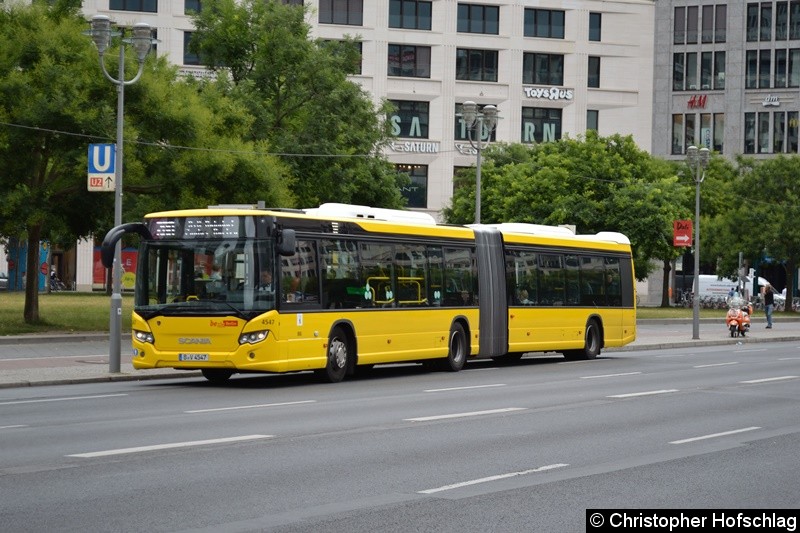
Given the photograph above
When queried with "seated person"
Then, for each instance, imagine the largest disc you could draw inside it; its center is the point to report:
(523, 297)
(265, 282)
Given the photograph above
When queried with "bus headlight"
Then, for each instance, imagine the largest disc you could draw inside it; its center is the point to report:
(144, 336)
(253, 337)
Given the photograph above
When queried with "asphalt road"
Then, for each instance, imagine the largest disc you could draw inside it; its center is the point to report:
(527, 447)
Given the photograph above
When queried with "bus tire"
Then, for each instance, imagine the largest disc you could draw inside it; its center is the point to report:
(591, 343)
(216, 375)
(338, 357)
(458, 349)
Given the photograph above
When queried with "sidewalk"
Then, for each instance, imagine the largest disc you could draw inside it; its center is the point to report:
(651, 335)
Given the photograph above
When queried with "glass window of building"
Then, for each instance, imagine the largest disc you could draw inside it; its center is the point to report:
(475, 18)
(462, 133)
(720, 23)
(410, 119)
(752, 23)
(780, 68)
(781, 21)
(409, 61)
(349, 12)
(144, 6)
(476, 65)
(192, 6)
(778, 132)
(416, 192)
(541, 124)
(545, 23)
(794, 67)
(765, 33)
(794, 19)
(678, 69)
(677, 134)
(595, 24)
(763, 133)
(592, 119)
(189, 57)
(691, 24)
(707, 35)
(791, 132)
(764, 68)
(689, 132)
(751, 69)
(749, 133)
(544, 69)
(705, 130)
(594, 72)
(719, 70)
(719, 132)
(691, 71)
(410, 14)
(706, 61)
(679, 30)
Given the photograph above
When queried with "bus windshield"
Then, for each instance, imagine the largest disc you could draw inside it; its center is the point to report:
(205, 277)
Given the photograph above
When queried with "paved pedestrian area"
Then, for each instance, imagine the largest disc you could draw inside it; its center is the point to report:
(29, 371)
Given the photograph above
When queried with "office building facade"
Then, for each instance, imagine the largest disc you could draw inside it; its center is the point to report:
(552, 68)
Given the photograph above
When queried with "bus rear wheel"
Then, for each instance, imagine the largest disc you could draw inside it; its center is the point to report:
(338, 357)
(458, 350)
(591, 343)
(216, 375)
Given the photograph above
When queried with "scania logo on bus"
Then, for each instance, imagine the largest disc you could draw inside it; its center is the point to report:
(194, 340)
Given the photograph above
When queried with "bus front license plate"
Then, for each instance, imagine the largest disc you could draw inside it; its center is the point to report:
(193, 357)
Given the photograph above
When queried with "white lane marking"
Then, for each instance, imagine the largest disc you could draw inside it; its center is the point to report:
(714, 435)
(675, 355)
(211, 410)
(467, 388)
(492, 478)
(12, 427)
(460, 415)
(17, 402)
(646, 393)
(749, 350)
(138, 449)
(789, 359)
(610, 375)
(715, 364)
(765, 380)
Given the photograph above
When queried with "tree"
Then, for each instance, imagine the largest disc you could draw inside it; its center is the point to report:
(594, 183)
(184, 142)
(763, 219)
(325, 127)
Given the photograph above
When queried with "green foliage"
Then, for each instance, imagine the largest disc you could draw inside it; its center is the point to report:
(324, 127)
(187, 144)
(594, 183)
(762, 218)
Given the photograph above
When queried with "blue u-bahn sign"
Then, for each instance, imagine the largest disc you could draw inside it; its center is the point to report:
(102, 166)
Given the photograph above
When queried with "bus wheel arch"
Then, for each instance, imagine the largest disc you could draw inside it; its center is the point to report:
(340, 354)
(593, 341)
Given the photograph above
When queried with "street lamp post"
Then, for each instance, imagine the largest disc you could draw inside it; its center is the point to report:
(142, 40)
(698, 161)
(484, 119)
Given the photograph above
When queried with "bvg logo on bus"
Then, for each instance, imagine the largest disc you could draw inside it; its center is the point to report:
(194, 340)
(223, 323)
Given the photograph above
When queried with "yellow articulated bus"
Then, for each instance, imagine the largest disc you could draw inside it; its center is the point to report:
(340, 288)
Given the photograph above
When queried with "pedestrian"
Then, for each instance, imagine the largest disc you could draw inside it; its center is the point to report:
(769, 304)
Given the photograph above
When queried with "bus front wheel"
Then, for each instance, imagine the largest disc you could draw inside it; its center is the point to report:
(458, 349)
(338, 357)
(216, 376)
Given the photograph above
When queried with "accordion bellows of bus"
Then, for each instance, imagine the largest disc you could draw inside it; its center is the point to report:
(340, 288)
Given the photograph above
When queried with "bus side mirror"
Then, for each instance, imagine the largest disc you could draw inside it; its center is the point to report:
(286, 242)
